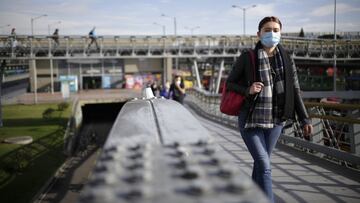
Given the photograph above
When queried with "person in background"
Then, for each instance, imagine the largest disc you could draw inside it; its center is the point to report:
(155, 88)
(272, 98)
(92, 37)
(165, 90)
(177, 89)
(55, 37)
(13, 40)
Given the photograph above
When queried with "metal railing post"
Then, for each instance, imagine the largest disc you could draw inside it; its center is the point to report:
(101, 45)
(84, 45)
(117, 46)
(355, 132)
(49, 51)
(31, 46)
(67, 46)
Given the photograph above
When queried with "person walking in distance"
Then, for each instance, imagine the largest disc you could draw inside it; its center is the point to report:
(177, 89)
(12, 37)
(55, 37)
(92, 37)
(271, 99)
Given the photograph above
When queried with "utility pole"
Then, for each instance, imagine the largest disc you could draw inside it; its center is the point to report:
(32, 22)
(244, 15)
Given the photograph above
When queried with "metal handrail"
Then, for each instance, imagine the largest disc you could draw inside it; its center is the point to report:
(334, 136)
(42, 45)
(333, 105)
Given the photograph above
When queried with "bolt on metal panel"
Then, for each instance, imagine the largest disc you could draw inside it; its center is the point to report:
(185, 166)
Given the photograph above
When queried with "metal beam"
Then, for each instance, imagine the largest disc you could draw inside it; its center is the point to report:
(326, 150)
(326, 94)
(219, 76)
(198, 82)
(159, 56)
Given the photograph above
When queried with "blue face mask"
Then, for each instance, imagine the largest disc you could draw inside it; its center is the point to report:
(270, 39)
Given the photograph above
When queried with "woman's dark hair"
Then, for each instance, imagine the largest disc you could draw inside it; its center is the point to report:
(269, 19)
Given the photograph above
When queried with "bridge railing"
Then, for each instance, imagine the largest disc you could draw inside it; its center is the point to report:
(336, 133)
(223, 45)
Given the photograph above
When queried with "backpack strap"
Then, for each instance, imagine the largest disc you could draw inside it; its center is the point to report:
(253, 62)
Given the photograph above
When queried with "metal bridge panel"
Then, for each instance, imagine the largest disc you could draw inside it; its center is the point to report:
(177, 124)
(184, 168)
(134, 124)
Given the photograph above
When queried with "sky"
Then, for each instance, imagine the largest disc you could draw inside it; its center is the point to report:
(137, 17)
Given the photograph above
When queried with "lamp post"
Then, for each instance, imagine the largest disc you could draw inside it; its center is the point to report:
(32, 22)
(163, 27)
(175, 27)
(244, 14)
(192, 29)
(3, 26)
(49, 26)
(176, 59)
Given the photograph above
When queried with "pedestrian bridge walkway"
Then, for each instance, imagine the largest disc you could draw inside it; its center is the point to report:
(297, 176)
(214, 46)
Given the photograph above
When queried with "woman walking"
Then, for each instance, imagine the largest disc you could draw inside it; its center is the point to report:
(271, 99)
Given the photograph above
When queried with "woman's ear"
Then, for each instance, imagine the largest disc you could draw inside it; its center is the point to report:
(258, 34)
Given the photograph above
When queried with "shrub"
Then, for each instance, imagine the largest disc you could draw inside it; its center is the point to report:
(48, 113)
(62, 106)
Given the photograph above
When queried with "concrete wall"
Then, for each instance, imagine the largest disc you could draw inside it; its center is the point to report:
(43, 72)
(168, 69)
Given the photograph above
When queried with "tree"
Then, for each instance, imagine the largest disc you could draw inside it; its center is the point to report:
(2, 69)
(301, 34)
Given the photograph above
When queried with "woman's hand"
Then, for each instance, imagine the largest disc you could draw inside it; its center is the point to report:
(256, 87)
(308, 130)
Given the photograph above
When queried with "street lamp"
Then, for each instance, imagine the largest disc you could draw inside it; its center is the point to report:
(176, 59)
(244, 14)
(49, 26)
(163, 15)
(163, 27)
(32, 22)
(3, 26)
(192, 29)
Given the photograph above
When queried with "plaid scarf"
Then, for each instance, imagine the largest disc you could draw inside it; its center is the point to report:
(266, 110)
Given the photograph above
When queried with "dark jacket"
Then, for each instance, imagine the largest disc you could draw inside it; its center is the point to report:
(176, 94)
(241, 78)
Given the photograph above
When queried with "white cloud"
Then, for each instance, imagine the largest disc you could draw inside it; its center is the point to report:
(137, 17)
(303, 20)
(329, 9)
(165, 1)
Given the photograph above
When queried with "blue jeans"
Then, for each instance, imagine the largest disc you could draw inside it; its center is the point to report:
(260, 143)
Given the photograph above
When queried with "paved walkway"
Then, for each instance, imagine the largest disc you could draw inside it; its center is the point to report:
(297, 177)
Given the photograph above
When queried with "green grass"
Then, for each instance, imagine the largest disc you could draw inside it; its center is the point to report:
(25, 168)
